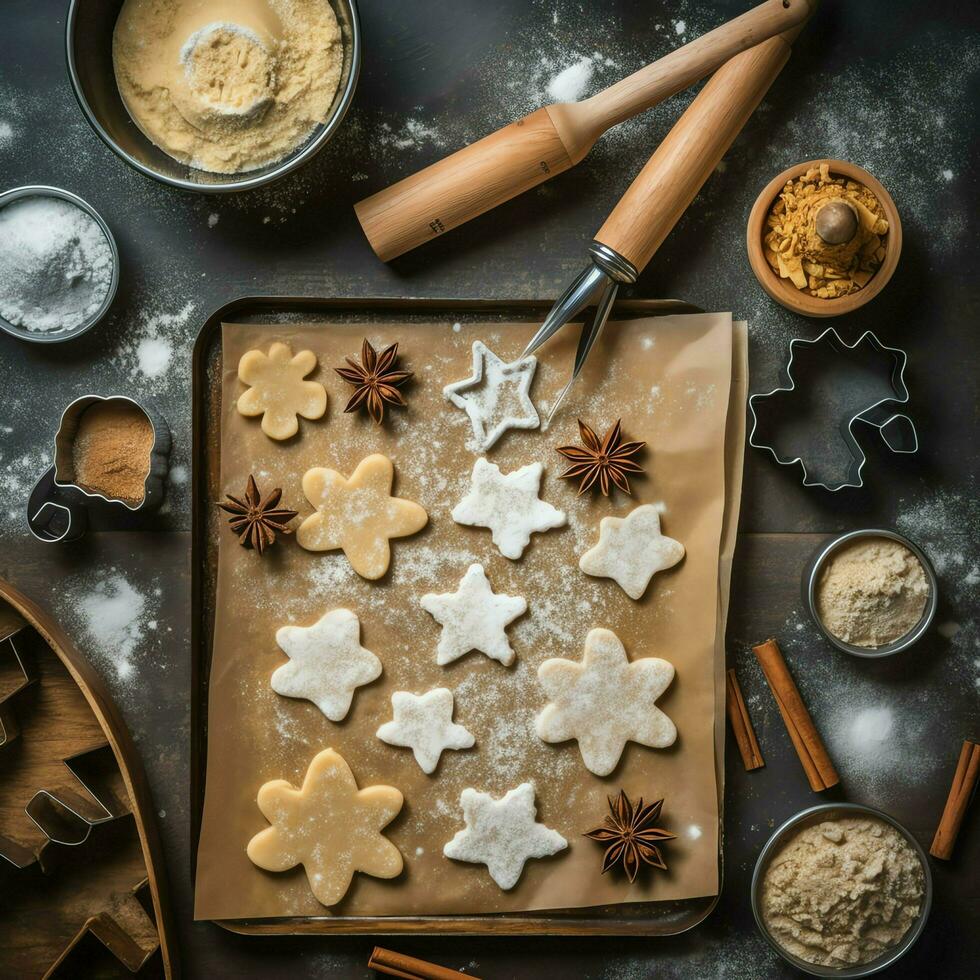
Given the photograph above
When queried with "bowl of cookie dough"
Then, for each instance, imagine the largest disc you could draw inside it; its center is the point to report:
(215, 97)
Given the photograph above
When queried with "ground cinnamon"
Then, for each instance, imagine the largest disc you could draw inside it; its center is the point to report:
(960, 794)
(111, 450)
(738, 716)
(820, 771)
(409, 968)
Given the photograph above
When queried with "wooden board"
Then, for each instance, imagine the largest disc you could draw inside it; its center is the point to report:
(84, 901)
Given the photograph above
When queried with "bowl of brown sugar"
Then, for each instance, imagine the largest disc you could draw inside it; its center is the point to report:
(841, 890)
(871, 592)
(824, 237)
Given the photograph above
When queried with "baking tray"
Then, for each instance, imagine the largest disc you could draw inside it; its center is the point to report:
(629, 919)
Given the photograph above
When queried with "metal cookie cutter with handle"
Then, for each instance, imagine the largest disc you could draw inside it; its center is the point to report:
(57, 507)
(831, 386)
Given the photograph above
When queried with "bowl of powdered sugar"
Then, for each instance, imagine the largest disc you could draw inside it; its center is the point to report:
(59, 265)
(841, 890)
(871, 593)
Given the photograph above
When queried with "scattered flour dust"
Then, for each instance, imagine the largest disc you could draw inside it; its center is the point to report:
(117, 620)
(6, 134)
(151, 351)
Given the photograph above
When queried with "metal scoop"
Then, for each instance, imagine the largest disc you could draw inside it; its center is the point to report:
(662, 191)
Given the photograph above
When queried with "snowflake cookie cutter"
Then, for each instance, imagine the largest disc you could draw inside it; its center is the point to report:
(829, 387)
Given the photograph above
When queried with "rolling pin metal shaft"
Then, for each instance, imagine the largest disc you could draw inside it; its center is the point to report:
(553, 139)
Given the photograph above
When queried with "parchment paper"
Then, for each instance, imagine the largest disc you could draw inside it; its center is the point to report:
(670, 379)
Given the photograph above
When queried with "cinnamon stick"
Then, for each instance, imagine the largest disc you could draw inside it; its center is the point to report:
(960, 794)
(738, 716)
(820, 771)
(409, 968)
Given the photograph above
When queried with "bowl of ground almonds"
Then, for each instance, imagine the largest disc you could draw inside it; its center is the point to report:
(215, 96)
(841, 890)
(824, 238)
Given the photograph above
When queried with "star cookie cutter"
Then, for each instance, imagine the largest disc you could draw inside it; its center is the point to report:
(830, 386)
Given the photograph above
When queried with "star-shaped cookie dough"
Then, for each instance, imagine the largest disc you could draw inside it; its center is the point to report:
(358, 514)
(502, 834)
(508, 505)
(631, 550)
(329, 826)
(277, 390)
(474, 617)
(326, 662)
(495, 396)
(605, 701)
(424, 724)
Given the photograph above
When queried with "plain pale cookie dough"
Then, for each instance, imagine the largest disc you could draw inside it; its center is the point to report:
(424, 723)
(358, 515)
(474, 617)
(502, 834)
(326, 663)
(277, 390)
(605, 701)
(329, 826)
(631, 550)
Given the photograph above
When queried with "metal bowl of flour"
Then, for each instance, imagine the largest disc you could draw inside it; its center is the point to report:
(811, 579)
(88, 38)
(817, 814)
(57, 336)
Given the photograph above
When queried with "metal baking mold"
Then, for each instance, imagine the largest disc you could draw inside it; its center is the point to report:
(56, 508)
(13, 630)
(830, 386)
(116, 933)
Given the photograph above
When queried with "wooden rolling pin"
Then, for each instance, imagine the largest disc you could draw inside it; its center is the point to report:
(551, 140)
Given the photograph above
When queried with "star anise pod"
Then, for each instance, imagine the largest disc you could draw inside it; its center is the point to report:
(601, 461)
(255, 520)
(375, 383)
(630, 835)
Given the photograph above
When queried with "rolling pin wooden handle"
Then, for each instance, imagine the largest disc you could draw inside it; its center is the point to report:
(690, 152)
(460, 187)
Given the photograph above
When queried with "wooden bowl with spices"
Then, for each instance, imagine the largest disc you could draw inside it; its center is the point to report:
(824, 237)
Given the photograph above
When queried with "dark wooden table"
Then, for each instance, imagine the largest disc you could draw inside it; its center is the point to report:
(889, 85)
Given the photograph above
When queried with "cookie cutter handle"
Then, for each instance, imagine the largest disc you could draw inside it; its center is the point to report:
(52, 515)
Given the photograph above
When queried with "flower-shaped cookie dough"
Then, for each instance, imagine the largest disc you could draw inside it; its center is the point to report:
(277, 390)
(605, 701)
(358, 515)
(329, 826)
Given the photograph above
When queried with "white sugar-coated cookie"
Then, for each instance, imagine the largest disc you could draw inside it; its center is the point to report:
(496, 396)
(326, 662)
(605, 701)
(424, 724)
(502, 834)
(474, 617)
(507, 504)
(631, 550)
